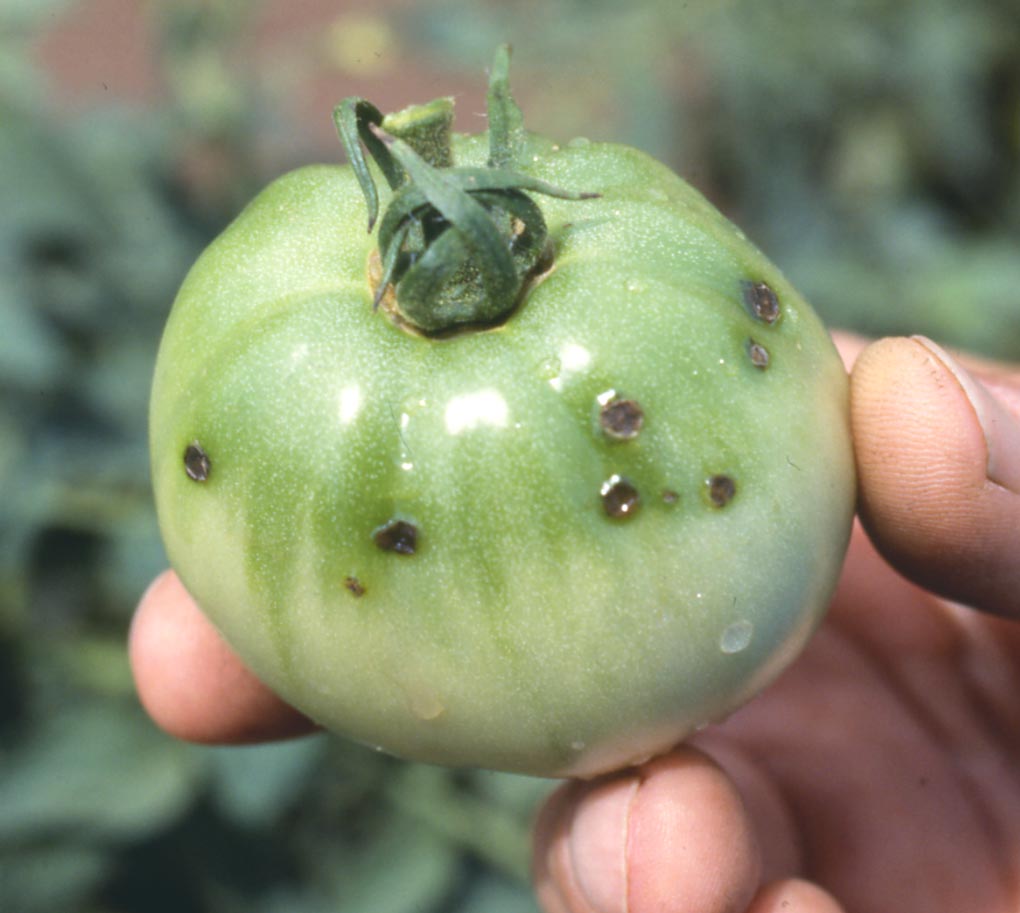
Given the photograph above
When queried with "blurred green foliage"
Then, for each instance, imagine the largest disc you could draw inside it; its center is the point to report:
(872, 148)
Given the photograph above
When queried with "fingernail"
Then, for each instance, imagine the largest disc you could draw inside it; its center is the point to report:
(1000, 428)
(598, 844)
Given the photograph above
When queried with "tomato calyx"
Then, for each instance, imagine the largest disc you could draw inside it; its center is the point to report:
(458, 245)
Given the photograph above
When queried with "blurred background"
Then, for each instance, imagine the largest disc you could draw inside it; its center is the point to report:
(872, 148)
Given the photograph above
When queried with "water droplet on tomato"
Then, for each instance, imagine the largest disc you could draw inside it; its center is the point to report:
(721, 490)
(621, 419)
(736, 637)
(196, 462)
(549, 368)
(397, 536)
(619, 497)
(424, 704)
(761, 301)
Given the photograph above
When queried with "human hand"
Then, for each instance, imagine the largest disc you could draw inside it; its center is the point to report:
(879, 769)
(882, 765)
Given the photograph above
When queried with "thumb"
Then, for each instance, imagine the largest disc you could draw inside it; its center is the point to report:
(938, 451)
(672, 835)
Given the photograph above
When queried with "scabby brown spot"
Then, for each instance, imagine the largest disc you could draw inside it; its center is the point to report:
(619, 497)
(761, 301)
(621, 419)
(397, 536)
(354, 586)
(758, 354)
(721, 490)
(196, 462)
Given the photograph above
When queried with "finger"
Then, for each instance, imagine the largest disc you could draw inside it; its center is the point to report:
(792, 895)
(672, 835)
(938, 453)
(191, 683)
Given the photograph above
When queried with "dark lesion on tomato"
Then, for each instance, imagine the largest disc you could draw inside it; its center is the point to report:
(196, 462)
(397, 536)
(758, 354)
(354, 586)
(621, 419)
(720, 489)
(762, 302)
(620, 497)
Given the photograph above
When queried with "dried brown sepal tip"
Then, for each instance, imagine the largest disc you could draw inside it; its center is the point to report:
(397, 536)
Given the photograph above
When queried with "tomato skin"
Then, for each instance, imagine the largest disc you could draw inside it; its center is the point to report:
(529, 630)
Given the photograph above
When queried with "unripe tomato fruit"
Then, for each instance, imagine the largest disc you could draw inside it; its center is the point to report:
(555, 544)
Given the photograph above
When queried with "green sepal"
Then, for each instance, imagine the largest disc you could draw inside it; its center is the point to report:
(354, 118)
(479, 235)
(506, 122)
(457, 244)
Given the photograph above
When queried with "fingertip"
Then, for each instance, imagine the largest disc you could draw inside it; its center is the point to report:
(581, 846)
(794, 895)
(691, 842)
(923, 458)
(189, 680)
(672, 835)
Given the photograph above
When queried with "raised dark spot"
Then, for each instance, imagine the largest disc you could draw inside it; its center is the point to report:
(758, 354)
(619, 497)
(354, 585)
(196, 462)
(397, 536)
(761, 301)
(669, 496)
(721, 490)
(621, 419)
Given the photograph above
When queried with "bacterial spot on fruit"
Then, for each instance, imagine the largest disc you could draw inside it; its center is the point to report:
(354, 586)
(397, 536)
(621, 419)
(758, 354)
(669, 496)
(196, 462)
(619, 497)
(761, 301)
(721, 490)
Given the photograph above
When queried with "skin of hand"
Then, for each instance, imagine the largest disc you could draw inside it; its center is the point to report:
(879, 774)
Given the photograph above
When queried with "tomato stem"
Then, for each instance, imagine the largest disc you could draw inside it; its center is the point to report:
(458, 244)
(427, 129)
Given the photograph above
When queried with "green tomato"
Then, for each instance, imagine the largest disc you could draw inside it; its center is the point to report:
(557, 544)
